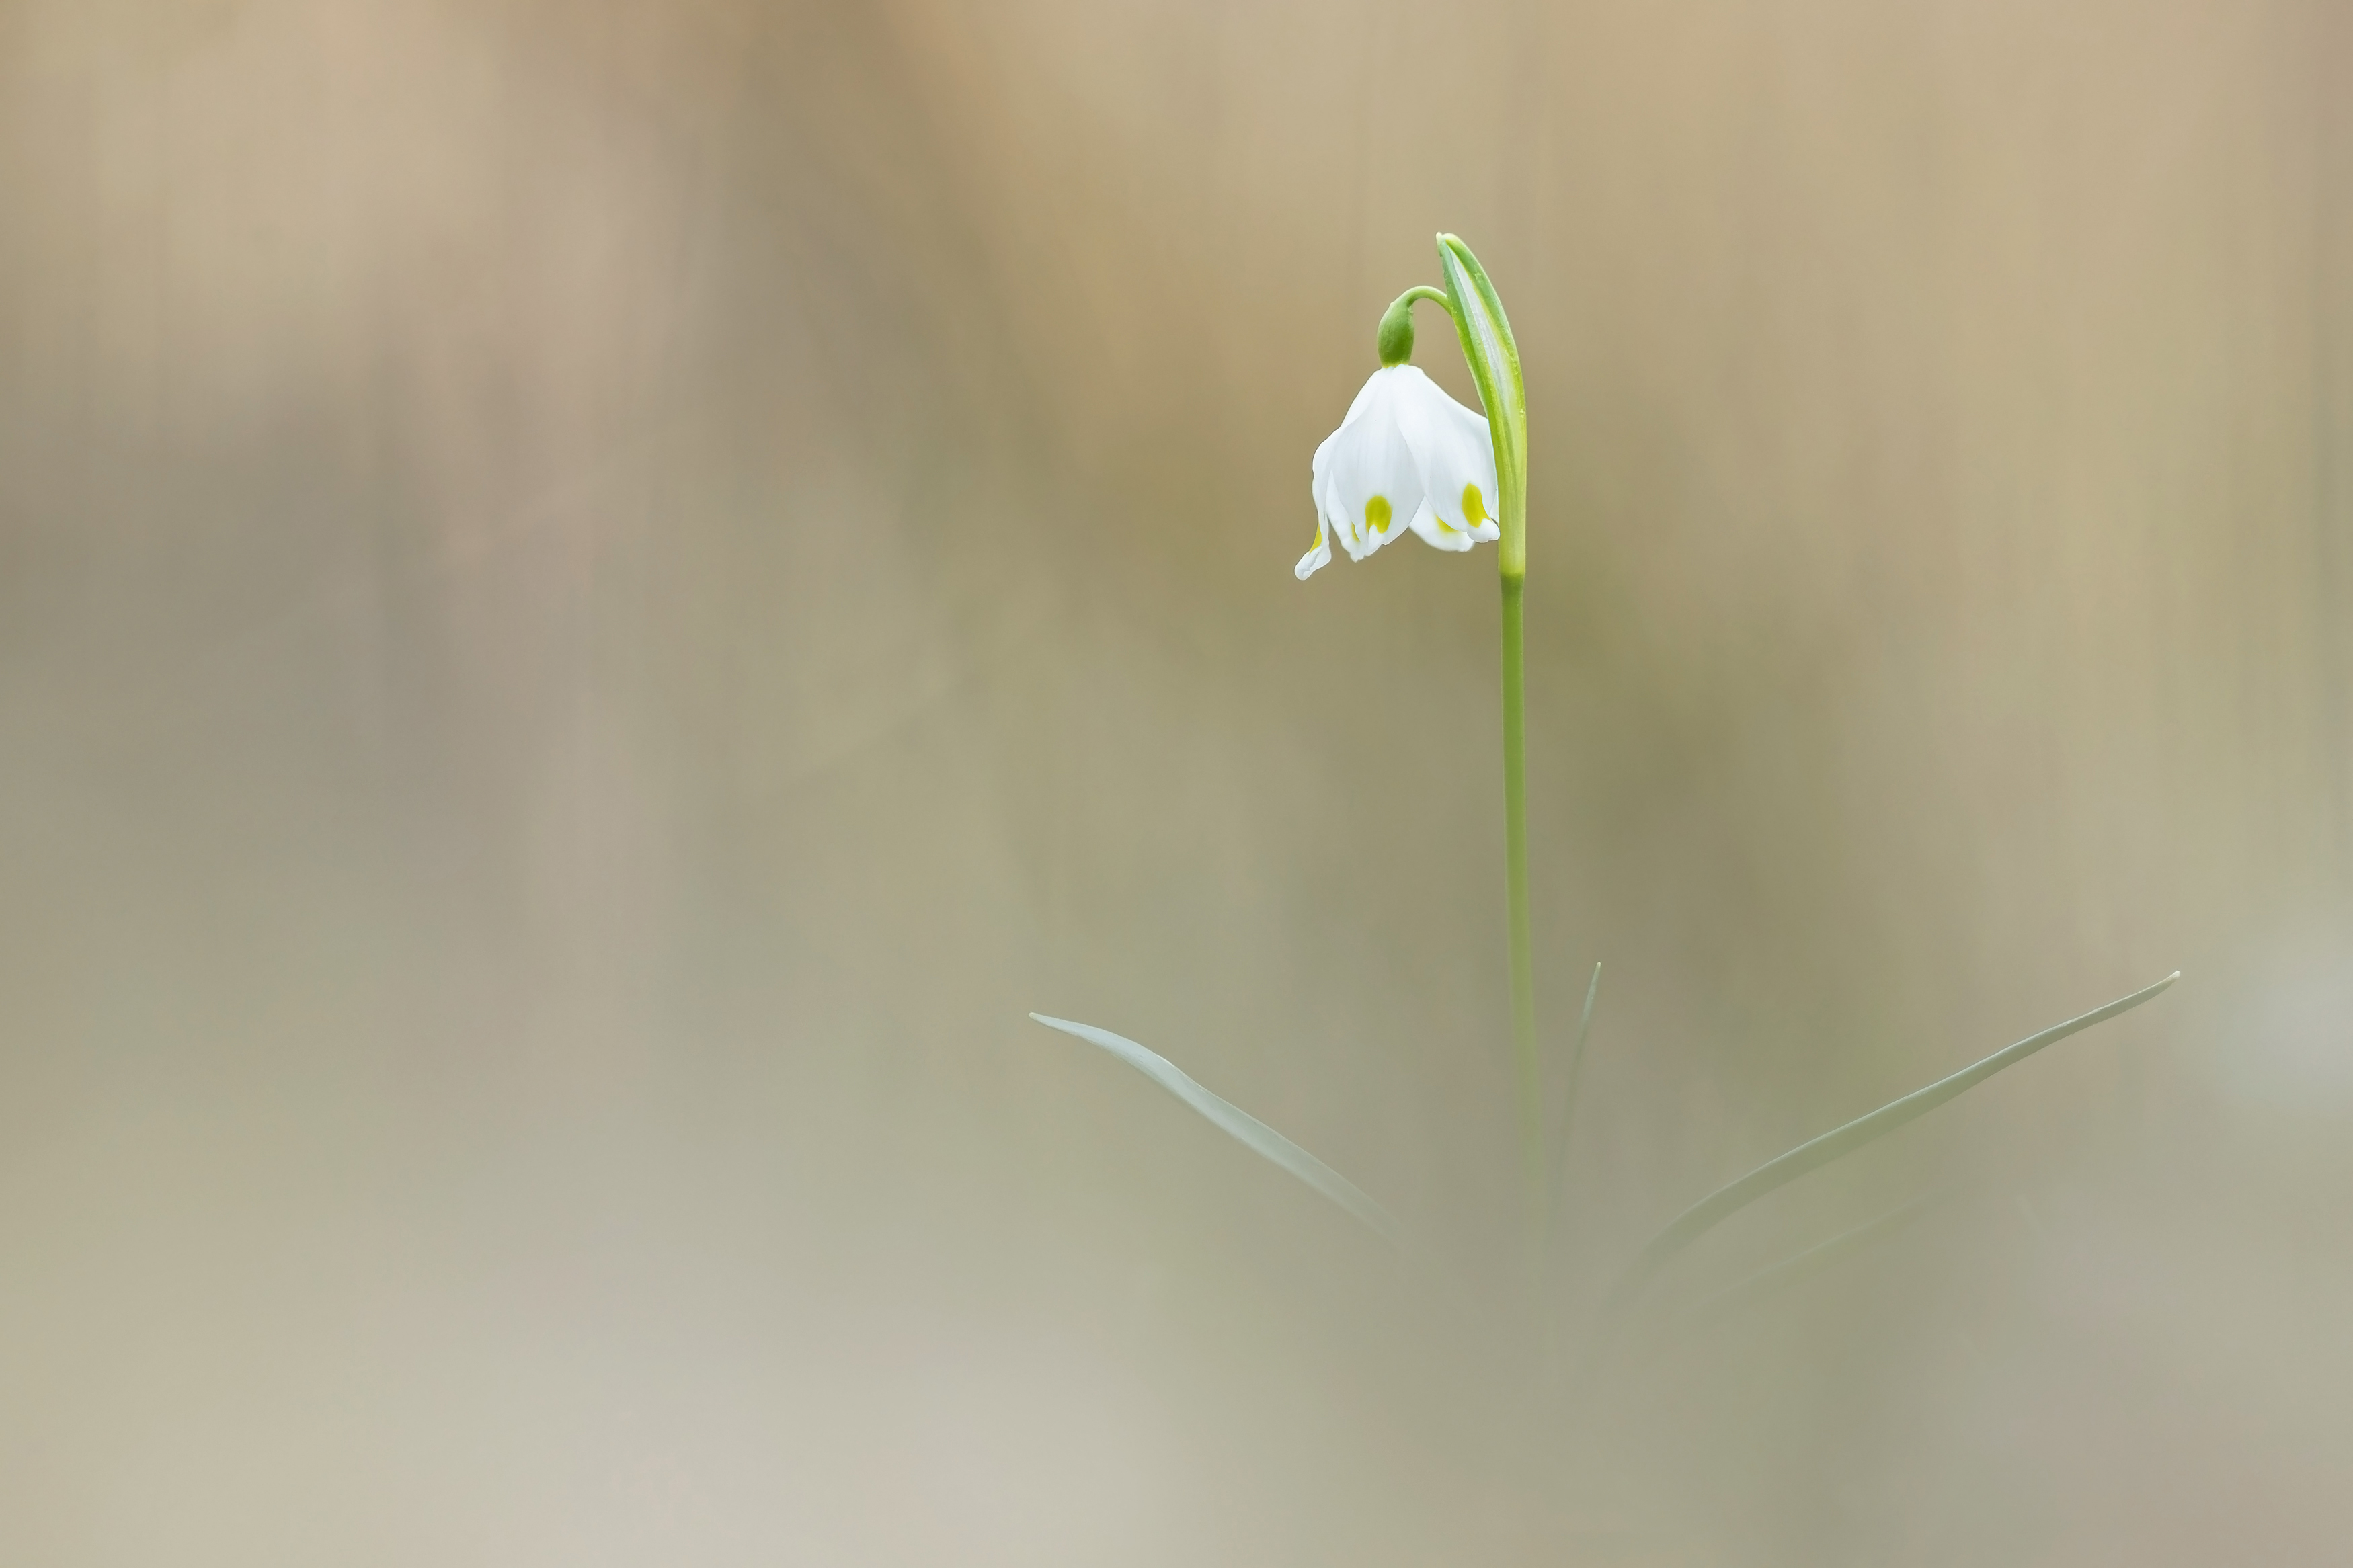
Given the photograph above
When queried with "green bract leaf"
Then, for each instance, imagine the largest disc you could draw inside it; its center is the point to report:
(1235, 1122)
(1494, 358)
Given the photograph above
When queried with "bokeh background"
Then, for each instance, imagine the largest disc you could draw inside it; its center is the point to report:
(596, 599)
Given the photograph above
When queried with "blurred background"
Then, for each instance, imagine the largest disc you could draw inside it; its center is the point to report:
(596, 599)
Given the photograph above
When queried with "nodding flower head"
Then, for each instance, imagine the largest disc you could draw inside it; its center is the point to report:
(1407, 456)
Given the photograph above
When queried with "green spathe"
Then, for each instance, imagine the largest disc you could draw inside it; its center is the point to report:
(1494, 360)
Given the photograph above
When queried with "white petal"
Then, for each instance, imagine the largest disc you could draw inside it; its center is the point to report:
(1319, 479)
(1350, 527)
(1327, 521)
(1456, 462)
(1373, 486)
(1330, 512)
(1319, 555)
(1374, 387)
(1436, 531)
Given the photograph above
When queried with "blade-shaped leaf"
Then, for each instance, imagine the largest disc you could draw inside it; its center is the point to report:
(1776, 1278)
(1569, 1095)
(1729, 1199)
(1235, 1122)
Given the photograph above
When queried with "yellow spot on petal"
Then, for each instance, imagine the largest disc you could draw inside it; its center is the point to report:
(1443, 526)
(1377, 514)
(1475, 505)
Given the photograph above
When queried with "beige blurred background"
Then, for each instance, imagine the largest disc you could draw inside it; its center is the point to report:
(596, 599)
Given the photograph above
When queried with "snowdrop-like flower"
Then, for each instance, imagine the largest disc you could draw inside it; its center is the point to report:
(1407, 456)
(1410, 457)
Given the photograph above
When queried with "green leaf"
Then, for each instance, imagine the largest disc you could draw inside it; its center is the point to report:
(1236, 1123)
(1729, 1199)
(1568, 1105)
(1776, 1278)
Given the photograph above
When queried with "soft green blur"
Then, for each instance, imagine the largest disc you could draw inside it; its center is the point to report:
(596, 600)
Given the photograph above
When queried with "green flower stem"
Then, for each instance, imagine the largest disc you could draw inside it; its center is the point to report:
(1494, 360)
(1395, 340)
(1527, 1076)
(1493, 356)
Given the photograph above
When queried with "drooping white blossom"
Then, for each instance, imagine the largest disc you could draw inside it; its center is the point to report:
(1407, 456)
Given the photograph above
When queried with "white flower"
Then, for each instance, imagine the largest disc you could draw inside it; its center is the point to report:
(1405, 455)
